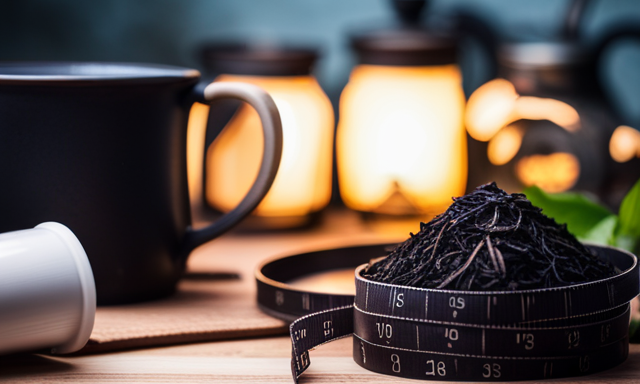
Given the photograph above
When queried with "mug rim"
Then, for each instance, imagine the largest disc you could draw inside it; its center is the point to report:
(76, 73)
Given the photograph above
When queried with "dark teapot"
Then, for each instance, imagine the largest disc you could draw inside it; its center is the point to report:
(546, 119)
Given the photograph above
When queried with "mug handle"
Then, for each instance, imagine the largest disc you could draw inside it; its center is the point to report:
(272, 152)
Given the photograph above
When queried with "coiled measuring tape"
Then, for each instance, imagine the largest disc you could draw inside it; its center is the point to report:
(455, 335)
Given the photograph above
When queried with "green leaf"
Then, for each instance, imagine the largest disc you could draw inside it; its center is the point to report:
(576, 210)
(602, 233)
(626, 242)
(627, 231)
(634, 335)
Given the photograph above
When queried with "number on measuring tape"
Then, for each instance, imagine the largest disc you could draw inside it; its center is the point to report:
(584, 364)
(433, 368)
(451, 334)
(384, 330)
(605, 330)
(491, 370)
(279, 298)
(573, 339)
(456, 302)
(300, 334)
(526, 339)
(304, 360)
(395, 359)
(399, 300)
(328, 328)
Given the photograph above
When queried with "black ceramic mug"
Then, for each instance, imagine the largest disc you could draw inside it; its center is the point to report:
(102, 148)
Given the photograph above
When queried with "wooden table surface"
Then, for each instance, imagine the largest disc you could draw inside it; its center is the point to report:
(260, 360)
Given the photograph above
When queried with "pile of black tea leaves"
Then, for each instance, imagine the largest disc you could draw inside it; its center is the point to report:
(490, 240)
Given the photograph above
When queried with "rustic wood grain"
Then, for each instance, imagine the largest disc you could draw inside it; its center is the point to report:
(216, 299)
(243, 360)
(264, 360)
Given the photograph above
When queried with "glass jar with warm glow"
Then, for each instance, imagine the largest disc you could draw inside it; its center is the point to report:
(303, 184)
(401, 144)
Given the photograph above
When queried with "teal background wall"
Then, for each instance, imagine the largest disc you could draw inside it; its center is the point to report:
(171, 31)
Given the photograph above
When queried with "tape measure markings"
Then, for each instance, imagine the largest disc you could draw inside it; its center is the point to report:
(589, 319)
(311, 331)
(553, 303)
(489, 357)
(520, 325)
(482, 341)
(555, 332)
(437, 366)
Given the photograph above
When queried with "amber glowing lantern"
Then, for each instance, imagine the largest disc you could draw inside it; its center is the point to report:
(545, 120)
(546, 117)
(303, 184)
(494, 114)
(624, 144)
(401, 144)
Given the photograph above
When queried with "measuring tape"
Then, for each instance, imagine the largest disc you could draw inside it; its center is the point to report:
(450, 335)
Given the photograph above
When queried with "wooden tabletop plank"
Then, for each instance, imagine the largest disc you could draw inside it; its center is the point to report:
(264, 360)
(259, 360)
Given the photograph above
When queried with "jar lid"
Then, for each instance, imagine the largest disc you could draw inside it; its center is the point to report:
(405, 47)
(547, 54)
(246, 59)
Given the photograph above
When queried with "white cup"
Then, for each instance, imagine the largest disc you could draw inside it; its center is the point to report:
(47, 292)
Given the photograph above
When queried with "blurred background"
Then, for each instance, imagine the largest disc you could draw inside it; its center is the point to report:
(174, 32)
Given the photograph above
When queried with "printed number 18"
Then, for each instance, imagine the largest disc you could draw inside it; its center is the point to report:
(440, 368)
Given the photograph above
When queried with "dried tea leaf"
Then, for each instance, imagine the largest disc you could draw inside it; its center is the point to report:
(490, 240)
